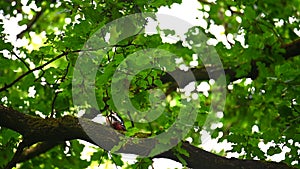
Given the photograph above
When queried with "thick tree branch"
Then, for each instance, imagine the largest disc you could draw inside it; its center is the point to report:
(199, 158)
(292, 50)
(36, 150)
(16, 156)
(52, 131)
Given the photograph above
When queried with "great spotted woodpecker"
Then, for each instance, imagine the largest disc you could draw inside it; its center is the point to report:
(115, 121)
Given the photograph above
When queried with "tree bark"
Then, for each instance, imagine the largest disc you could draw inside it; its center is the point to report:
(52, 132)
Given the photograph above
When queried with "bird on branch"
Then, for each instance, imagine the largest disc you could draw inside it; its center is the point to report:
(115, 121)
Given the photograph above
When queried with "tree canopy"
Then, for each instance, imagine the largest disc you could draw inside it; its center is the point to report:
(233, 74)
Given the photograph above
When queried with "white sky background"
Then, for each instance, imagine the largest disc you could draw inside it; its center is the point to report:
(189, 12)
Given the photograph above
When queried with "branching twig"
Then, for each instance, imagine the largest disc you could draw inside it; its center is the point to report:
(57, 92)
(6, 86)
(43, 72)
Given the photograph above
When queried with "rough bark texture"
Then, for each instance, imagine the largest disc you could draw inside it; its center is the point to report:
(51, 132)
(199, 158)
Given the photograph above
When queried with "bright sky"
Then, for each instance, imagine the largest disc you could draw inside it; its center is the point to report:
(189, 12)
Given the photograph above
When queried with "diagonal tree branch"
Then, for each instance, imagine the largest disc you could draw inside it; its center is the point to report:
(6, 86)
(68, 127)
(16, 156)
(31, 23)
(199, 158)
(291, 50)
(36, 150)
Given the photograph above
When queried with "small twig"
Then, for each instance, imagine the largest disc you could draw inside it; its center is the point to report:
(273, 30)
(6, 86)
(43, 72)
(53, 103)
(150, 126)
(23, 61)
(57, 92)
(130, 118)
(31, 23)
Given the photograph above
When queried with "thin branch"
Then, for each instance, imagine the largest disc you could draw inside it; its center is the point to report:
(130, 118)
(23, 61)
(57, 92)
(31, 23)
(6, 86)
(42, 74)
(53, 104)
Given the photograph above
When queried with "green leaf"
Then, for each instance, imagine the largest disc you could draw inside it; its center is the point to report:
(236, 138)
(117, 160)
(5, 45)
(274, 150)
(284, 111)
(250, 13)
(158, 83)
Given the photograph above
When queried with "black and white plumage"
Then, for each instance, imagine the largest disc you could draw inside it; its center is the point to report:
(115, 121)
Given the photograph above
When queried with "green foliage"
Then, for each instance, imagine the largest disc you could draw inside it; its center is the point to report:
(270, 101)
(8, 141)
(141, 163)
(179, 153)
(59, 158)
